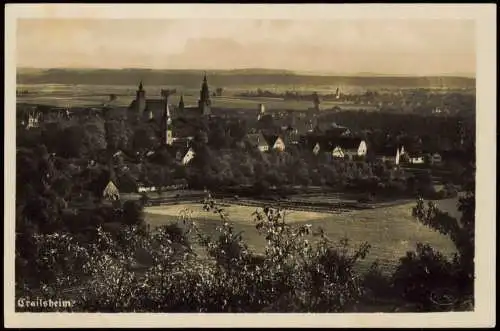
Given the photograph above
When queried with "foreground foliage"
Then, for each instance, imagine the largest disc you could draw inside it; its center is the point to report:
(139, 269)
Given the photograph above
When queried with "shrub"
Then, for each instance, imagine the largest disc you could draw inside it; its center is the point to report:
(159, 271)
(423, 277)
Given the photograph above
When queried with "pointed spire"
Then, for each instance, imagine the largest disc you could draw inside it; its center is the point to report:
(140, 86)
(205, 76)
(181, 102)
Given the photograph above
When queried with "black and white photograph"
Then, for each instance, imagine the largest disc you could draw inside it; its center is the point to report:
(241, 164)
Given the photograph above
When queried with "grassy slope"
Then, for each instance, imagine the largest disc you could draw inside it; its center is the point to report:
(391, 231)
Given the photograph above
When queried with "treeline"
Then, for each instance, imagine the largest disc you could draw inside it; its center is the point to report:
(436, 133)
(420, 101)
(193, 79)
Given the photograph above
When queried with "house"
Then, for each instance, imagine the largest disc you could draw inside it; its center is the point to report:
(334, 130)
(435, 158)
(291, 135)
(32, 120)
(316, 148)
(142, 188)
(188, 156)
(178, 184)
(338, 152)
(276, 143)
(351, 147)
(339, 147)
(111, 192)
(416, 159)
(319, 145)
(257, 140)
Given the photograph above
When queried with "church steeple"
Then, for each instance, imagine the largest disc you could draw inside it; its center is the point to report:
(167, 136)
(181, 103)
(204, 103)
(140, 99)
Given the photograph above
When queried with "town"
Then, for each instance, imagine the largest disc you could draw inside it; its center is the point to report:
(153, 146)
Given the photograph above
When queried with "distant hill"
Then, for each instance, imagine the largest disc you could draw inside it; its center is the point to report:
(225, 78)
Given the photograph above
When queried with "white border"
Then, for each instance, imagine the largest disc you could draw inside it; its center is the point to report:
(485, 17)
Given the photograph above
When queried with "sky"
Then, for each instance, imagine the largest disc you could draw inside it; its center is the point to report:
(399, 47)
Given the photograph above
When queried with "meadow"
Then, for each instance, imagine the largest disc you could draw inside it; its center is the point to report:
(391, 231)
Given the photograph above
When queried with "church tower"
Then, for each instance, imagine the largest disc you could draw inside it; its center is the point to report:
(316, 102)
(181, 103)
(204, 103)
(140, 100)
(262, 112)
(167, 135)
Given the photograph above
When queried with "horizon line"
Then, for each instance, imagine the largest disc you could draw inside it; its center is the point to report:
(295, 72)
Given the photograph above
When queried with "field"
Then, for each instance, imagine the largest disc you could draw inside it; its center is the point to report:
(95, 95)
(391, 231)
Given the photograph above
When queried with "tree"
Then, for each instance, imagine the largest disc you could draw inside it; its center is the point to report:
(238, 130)
(127, 183)
(95, 135)
(142, 139)
(71, 142)
(217, 136)
(162, 157)
(200, 138)
(426, 276)
(132, 213)
(116, 134)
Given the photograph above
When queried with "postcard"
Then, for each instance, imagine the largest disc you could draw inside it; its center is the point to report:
(259, 165)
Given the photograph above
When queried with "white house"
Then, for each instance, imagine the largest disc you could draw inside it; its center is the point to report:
(316, 149)
(362, 148)
(279, 144)
(33, 120)
(338, 152)
(416, 159)
(111, 192)
(188, 156)
(402, 151)
(142, 189)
